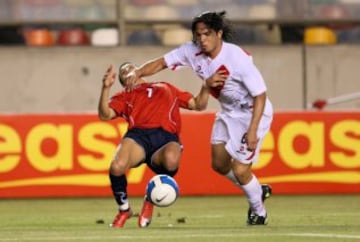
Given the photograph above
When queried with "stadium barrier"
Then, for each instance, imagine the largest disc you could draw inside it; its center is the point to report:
(68, 155)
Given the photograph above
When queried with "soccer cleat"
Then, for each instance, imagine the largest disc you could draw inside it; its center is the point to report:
(254, 219)
(121, 217)
(266, 191)
(146, 214)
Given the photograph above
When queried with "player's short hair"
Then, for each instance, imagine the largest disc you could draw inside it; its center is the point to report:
(123, 64)
(215, 21)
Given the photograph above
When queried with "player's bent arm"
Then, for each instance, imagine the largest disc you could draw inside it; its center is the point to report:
(200, 102)
(258, 109)
(104, 111)
(151, 67)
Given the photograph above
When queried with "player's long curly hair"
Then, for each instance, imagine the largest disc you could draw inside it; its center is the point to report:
(215, 21)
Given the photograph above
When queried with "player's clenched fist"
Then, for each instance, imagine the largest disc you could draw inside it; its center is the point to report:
(217, 79)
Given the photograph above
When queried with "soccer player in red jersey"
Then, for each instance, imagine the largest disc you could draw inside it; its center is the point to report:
(152, 110)
(246, 112)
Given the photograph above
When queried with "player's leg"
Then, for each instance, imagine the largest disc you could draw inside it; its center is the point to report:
(256, 213)
(254, 191)
(221, 160)
(242, 172)
(164, 160)
(166, 152)
(237, 168)
(128, 154)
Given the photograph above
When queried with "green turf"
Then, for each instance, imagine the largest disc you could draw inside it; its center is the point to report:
(198, 219)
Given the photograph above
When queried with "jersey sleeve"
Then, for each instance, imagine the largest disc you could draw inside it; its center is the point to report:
(176, 58)
(117, 103)
(182, 96)
(249, 74)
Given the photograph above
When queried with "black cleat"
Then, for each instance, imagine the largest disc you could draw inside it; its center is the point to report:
(266, 191)
(254, 219)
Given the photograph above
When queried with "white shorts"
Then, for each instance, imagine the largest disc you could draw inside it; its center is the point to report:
(232, 130)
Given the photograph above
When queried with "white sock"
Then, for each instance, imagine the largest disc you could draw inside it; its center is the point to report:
(253, 193)
(125, 206)
(231, 176)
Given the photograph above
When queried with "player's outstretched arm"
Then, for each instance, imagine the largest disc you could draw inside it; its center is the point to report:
(200, 102)
(149, 68)
(104, 111)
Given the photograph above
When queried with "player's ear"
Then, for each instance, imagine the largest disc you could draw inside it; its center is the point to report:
(121, 81)
(219, 34)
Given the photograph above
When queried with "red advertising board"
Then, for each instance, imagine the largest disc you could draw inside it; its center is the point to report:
(68, 155)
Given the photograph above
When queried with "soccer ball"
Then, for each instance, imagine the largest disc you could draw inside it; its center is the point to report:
(162, 190)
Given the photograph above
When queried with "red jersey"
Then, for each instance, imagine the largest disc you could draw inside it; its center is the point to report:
(151, 105)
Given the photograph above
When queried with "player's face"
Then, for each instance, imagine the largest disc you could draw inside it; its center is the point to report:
(125, 72)
(208, 40)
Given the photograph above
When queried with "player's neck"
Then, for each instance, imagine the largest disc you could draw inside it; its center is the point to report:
(216, 51)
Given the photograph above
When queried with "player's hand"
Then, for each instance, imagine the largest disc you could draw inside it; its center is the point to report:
(217, 79)
(131, 79)
(251, 140)
(109, 77)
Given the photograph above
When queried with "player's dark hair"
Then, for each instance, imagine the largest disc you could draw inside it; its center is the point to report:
(123, 64)
(213, 20)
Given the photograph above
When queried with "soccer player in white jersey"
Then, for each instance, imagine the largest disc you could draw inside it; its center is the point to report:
(246, 112)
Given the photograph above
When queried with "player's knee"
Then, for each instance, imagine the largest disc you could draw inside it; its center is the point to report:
(171, 165)
(220, 168)
(242, 172)
(244, 178)
(171, 161)
(118, 168)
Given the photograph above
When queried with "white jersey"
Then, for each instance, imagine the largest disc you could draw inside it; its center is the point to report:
(244, 81)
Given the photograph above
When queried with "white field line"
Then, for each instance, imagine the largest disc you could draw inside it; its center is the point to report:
(329, 236)
(147, 237)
